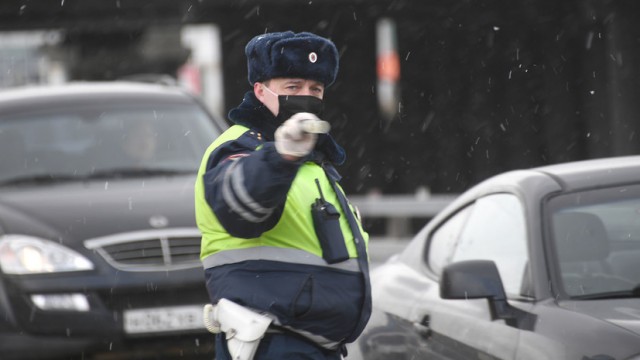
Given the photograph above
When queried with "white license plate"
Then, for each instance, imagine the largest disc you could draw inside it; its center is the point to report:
(164, 319)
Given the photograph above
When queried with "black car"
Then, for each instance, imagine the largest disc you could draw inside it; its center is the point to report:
(531, 265)
(99, 250)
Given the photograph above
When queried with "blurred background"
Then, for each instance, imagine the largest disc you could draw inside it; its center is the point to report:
(432, 96)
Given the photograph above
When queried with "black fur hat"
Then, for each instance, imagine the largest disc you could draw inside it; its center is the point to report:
(288, 54)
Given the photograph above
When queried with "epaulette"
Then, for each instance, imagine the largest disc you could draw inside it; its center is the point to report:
(252, 139)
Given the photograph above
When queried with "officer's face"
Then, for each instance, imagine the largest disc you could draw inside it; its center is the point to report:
(268, 91)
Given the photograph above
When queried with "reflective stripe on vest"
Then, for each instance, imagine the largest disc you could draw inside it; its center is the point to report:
(294, 256)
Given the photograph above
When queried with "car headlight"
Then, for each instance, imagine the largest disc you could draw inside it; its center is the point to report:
(22, 254)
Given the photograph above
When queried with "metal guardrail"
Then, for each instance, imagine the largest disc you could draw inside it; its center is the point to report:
(401, 205)
(398, 210)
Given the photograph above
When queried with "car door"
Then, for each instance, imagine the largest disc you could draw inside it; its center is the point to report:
(492, 228)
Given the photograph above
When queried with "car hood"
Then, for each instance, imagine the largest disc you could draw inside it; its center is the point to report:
(76, 211)
(624, 313)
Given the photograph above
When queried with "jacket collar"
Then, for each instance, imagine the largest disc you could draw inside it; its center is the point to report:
(253, 114)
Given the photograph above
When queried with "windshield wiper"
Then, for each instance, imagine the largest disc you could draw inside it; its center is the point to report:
(46, 179)
(134, 172)
(624, 294)
(39, 179)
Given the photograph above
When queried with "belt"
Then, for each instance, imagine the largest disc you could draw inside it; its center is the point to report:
(279, 330)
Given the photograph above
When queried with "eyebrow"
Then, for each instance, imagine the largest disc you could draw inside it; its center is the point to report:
(300, 81)
(294, 81)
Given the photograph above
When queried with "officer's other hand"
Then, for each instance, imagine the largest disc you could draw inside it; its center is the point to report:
(292, 142)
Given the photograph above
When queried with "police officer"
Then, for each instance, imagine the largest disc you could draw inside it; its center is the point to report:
(278, 235)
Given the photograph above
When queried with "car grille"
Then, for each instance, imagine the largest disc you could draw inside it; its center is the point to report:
(150, 250)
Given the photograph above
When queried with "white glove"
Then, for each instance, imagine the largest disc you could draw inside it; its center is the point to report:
(292, 139)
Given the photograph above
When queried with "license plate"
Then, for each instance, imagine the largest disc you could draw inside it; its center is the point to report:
(164, 319)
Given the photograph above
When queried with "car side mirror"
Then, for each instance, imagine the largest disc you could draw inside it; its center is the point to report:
(477, 279)
(471, 279)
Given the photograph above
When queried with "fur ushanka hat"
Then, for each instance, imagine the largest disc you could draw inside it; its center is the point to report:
(287, 54)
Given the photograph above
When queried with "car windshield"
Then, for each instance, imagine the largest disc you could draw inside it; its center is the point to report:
(103, 140)
(596, 236)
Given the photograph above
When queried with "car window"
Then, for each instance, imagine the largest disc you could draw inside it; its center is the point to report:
(89, 139)
(444, 240)
(493, 228)
(596, 237)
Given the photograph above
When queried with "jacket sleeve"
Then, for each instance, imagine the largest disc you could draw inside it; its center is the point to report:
(247, 188)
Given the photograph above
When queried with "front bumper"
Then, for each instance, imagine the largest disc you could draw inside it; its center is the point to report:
(184, 346)
(21, 346)
(29, 332)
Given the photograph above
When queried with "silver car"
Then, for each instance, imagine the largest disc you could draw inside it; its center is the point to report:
(531, 265)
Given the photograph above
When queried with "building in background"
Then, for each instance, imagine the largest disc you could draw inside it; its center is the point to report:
(189, 54)
(202, 73)
(23, 61)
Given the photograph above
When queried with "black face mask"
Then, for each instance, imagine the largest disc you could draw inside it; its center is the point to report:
(293, 104)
